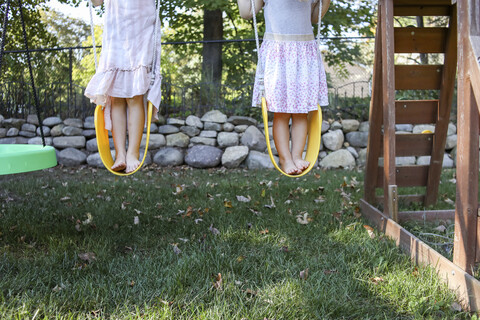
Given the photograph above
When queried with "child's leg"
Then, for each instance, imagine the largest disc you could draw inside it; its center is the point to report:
(299, 136)
(119, 131)
(136, 122)
(281, 136)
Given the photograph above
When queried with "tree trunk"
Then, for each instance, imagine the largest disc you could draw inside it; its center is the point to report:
(212, 52)
(423, 56)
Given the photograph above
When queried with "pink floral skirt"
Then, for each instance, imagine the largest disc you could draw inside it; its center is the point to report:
(294, 76)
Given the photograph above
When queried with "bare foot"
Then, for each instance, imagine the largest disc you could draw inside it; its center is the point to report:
(119, 164)
(289, 167)
(132, 163)
(301, 164)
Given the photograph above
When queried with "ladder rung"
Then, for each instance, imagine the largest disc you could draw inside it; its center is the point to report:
(407, 145)
(407, 176)
(418, 77)
(420, 40)
(416, 10)
(422, 2)
(416, 111)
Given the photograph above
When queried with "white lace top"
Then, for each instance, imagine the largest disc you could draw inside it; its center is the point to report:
(288, 17)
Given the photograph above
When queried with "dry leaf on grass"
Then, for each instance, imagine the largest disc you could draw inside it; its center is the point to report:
(327, 272)
(87, 257)
(303, 219)
(370, 231)
(441, 228)
(449, 201)
(227, 204)
(304, 274)
(213, 230)
(263, 231)
(244, 199)
(272, 205)
(377, 280)
(218, 282)
(136, 220)
(176, 249)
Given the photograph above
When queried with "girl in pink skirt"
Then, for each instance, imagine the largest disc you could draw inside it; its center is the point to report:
(122, 83)
(293, 72)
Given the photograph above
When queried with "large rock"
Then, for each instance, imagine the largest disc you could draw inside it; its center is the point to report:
(234, 156)
(241, 128)
(176, 122)
(214, 116)
(201, 156)
(333, 140)
(73, 122)
(349, 125)
(451, 142)
(14, 140)
(423, 127)
(325, 126)
(228, 127)
(2, 118)
(239, 120)
(362, 157)
(69, 142)
(93, 147)
(168, 129)
(71, 157)
(38, 140)
(169, 156)
(194, 121)
(153, 128)
(364, 126)
(353, 152)
(89, 133)
(400, 161)
(52, 121)
(46, 131)
(452, 129)
(254, 139)
(208, 134)
(13, 123)
(227, 139)
(156, 141)
(404, 127)
(27, 134)
(338, 159)
(357, 139)
(29, 127)
(94, 159)
(206, 141)
(335, 125)
(12, 132)
(259, 160)
(3, 132)
(190, 131)
(72, 131)
(448, 162)
(56, 131)
(33, 119)
(212, 126)
(180, 140)
(89, 124)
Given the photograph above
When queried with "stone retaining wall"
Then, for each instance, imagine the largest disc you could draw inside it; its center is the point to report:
(210, 141)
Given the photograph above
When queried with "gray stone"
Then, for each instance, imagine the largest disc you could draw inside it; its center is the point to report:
(29, 127)
(227, 139)
(234, 156)
(362, 157)
(13, 123)
(71, 157)
(168, 129)
(1, 119)
(208, 134)
(14, 140)
(156, 141)
(190, 131)
(322, 154)
(180, 140)
(3, 132)
(228, 127)
(423, 161)
(73, 122)
(175, 122)
(94, 159)
(33, 119)
(169, 156)
(325, 126)
(69, 142)
(404, 127)
(153, 128)
(259, 160)
(240, 120)
(349, 125)
(335, 126)
(46, 131)
(212, 126)
(52, 121)
(72, 131)
(56, 131)
(451, 142)
(214, 116)
(148, 157)
(448, 162)
(400, 161)
(93, 147)
(357, 139)
(353, 151)
(12, 132)
(89, 133)
(90, 119)
(254, 139)
(333, 140)
(38, 140)
(89, 125)
(194, 121)
(452, 129)
(27, 134)
(423, 127)
(338, 159)
(206, 141)
(200, 156)
(161, 120)
(364, 126)
(241, 128)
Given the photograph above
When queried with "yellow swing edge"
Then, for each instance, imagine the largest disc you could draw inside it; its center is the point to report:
(313, 142)
(103, 142)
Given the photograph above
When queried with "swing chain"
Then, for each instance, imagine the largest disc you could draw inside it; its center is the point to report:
(261, 84)
(4, 30)
(157, 37)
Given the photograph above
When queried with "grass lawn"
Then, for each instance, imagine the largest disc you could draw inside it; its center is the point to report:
(202, 244)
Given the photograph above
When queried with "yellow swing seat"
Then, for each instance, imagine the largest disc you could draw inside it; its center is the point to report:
(313, 142)
(104, 143)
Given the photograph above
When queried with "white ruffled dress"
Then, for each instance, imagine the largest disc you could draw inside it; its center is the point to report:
(290, 60)
(125, 66)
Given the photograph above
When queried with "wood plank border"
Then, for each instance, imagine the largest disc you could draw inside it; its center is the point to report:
(421, 10)
(418, 77)
(464, 285)
(416, 111)
(429, 215)
(420, 40)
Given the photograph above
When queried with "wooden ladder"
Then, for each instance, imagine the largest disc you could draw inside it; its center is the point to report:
(386, 111)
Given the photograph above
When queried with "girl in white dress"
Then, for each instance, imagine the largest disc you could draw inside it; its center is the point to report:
(293, 72)
(123, 78)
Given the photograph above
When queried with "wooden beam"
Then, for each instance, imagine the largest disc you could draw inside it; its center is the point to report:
(407, 176)
(413, 144)
(418, 77)
(420, 40)
(416, 111)
(419, 10)
(464, 285)
(423, 2)
(429, 215)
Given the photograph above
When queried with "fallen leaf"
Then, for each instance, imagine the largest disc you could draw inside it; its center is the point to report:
(327, 272)
(65, 199)
(227, 204)
(178, 189)
(251, 292)
(304, 274)
(285, 249)
(449, 201)
(288, 202)
(136, 220)
(263, 231)
(88, 220)
(241, 258)
(370, 231)
(59, 288)
(197, 221)
(456, 307)
(441, 228)
(176, 249)
(255, 212)
(320, 199)
(377, 280)
(272, 205)
(137, 211)
(244, 199)
(132, 283)
(453, 180)
(303, 219)
(213, 230)
(218, 282)
(183, 239)
(263, 193)
(356, 212)
(88, 257)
